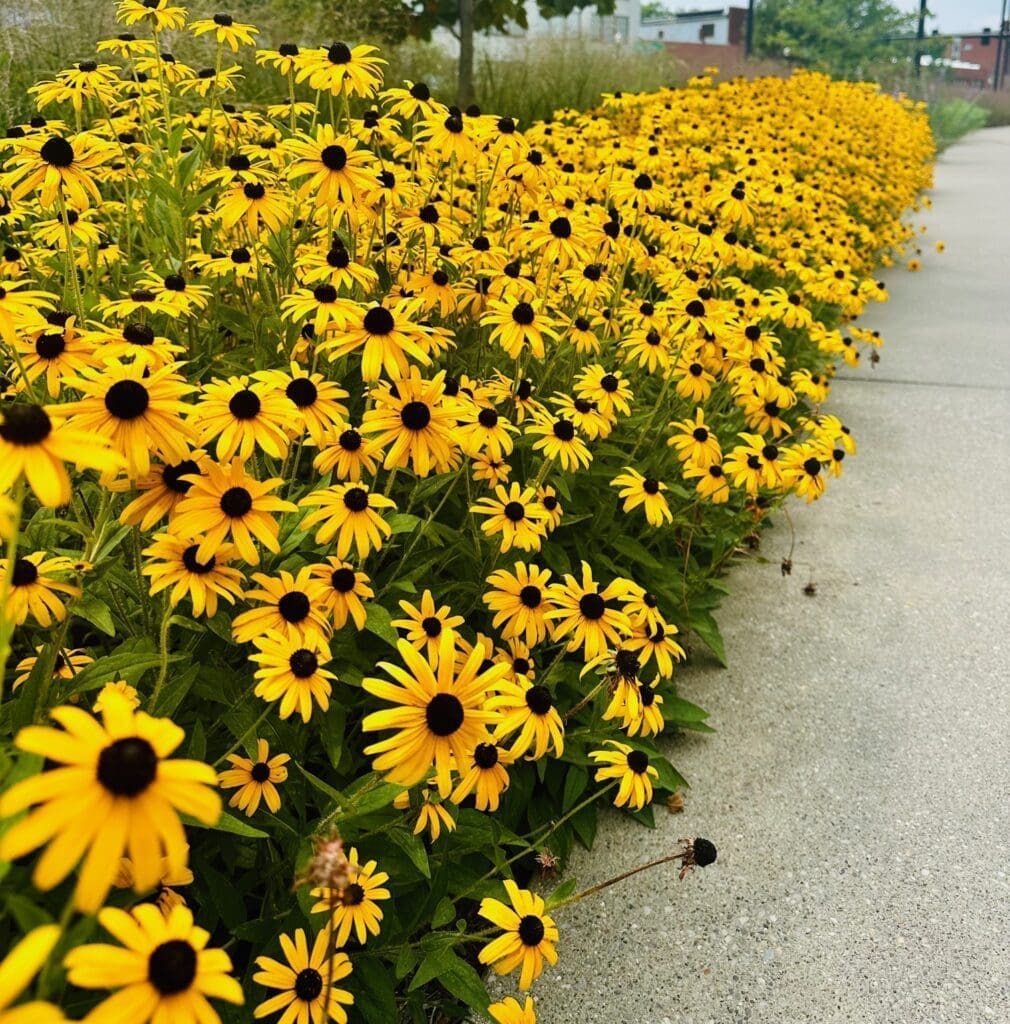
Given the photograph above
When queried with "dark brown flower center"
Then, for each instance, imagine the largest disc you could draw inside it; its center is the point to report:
(531, 930)
(171, 967)
(126, 767)
(444, 714)
(127, 399)
(24, 425)
(236, 502)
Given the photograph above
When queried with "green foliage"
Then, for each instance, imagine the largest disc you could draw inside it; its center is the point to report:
(950, 119)
(846, 39)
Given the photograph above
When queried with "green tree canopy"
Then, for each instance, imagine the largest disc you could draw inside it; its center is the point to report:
(842, 37)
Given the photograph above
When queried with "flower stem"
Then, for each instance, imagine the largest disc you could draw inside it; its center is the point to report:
(7, 626)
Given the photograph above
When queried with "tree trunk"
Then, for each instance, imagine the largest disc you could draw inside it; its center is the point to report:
(464, 90)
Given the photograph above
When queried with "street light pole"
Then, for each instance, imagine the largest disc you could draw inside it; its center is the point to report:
(1000, 48)
(920, 34)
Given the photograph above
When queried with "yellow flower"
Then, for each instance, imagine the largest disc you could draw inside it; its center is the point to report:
(115, 789)
(529, 935)
(18, 968)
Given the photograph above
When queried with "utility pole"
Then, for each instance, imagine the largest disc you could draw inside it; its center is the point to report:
(1001, 44)
(920, 34)
(748, 39)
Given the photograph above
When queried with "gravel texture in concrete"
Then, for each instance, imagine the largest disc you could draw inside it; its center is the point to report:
(858, 787)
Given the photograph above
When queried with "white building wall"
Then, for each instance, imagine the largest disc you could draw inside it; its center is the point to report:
(686, 28)
(622, 27)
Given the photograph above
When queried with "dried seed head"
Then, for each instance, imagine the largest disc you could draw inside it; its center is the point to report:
(696, 853)
(787, 567)
(547, 863)
(328, 866)
(675, 803)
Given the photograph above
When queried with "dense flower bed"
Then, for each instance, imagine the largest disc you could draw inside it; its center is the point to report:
(364, 464)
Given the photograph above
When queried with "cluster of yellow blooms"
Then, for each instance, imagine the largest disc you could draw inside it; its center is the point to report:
(266, 329)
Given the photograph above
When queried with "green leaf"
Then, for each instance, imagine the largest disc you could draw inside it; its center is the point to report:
(334, 795)
(561, 893)
(413, 848)
(462, 981)
(676, 709)
(445, 912)
(635, 551)
(129, 662)
(370, 794)
(401, 522)
(374, 995)
(704, 624)
(96, 612)
(331, 731)
(175, 689)
(228, 823)
(576, 782)
(380, 622)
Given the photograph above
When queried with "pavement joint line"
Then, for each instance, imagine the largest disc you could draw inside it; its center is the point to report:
(926, 383)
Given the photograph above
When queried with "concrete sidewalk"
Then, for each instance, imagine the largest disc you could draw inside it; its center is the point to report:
(858, 788)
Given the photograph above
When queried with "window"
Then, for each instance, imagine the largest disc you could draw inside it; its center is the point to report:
(707, 31)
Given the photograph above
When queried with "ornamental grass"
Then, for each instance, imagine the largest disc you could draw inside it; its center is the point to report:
(365, 467)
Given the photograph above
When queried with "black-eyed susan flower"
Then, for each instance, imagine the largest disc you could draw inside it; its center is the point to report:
(292, 672)
(425, 624)
(439, 715)
(432, 815)
(139, 411)
(633, 769)
(159, 14)
(656, 641)
(519, 327)
(288, 604)
(529, 938)
(242, 415)
(162, 968)
(305, 981)
(32, 589)
(68, 664)
(803, 469)
(346, 454)
(255, 780)
(55, 352)
(344, 591)
(694, 441)
(388, 337)
(228, 502)
(587, 615)
(484, 776)
(350, 513)
(116, 788)
(608, 389)
(134, 341)
(559, 439)
(56, 166)
(171, 561)
(522, 602)
(161, 490)
(509, 1011)
(516, 515)
(256, 206)
(315, 401)
(119, 690)
(355, 906)
(413, 424)
(19, 967)
(645, 492)
(21, 308)
(712, 482)
(342, 69)
(528, 710)
(226, 31)
(165, 897)
(337, 173)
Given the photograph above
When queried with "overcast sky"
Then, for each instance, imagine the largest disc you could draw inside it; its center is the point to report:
(960, 15)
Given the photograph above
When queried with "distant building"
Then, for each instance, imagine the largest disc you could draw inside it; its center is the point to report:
(971, 60)
(617, 29)
(723, 26)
